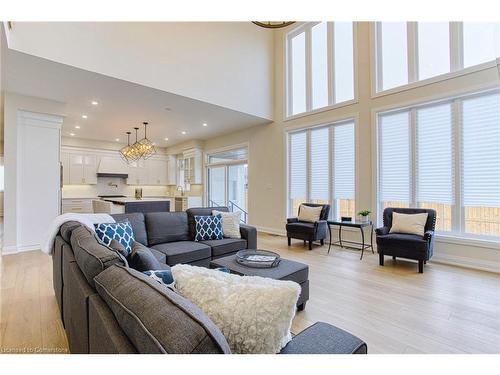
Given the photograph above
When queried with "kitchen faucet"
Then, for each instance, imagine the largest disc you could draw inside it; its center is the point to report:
(112, 184)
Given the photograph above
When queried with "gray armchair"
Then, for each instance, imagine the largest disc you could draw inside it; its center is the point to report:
(307, 231)
(409, 246)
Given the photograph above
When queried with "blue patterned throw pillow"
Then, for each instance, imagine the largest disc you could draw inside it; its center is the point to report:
(208, 228)
(122, 232)
(163, 277)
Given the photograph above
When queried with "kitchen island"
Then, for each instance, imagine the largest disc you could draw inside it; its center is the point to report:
(129, 205)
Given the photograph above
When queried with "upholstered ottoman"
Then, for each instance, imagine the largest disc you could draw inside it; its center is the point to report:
(323, 338)
(286, 270)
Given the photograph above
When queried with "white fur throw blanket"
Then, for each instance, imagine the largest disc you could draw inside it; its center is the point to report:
(86, 219)
(254, 313)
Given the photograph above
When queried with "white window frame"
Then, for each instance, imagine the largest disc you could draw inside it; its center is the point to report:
(288, 97)
(457, 234)
(330, 125)
(456, 60)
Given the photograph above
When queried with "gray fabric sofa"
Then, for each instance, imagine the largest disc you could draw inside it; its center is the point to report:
(108, 307)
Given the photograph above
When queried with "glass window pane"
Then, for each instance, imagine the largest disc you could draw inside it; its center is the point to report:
(298, 46)
(394, 159)
(393, 56)
(481, 164)
(344, 61)
(433, 49)
(319, 164)
(298, 166)
(481, 42)
(319, 65)
(435, 162)
(237, 187)
(216, 186)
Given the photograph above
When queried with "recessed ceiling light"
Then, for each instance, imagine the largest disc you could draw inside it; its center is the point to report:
(77, 127)
(204, 124)
(166, 139)
(117, 139)
(94, 102)
(72, 134)
(154, 143)
(84, 116)
(183, 132)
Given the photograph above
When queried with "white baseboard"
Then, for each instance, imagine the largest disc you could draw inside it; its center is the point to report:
(9, 250)
(477, 264)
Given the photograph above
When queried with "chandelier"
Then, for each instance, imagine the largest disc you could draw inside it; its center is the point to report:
(273, 24)
(141, 149)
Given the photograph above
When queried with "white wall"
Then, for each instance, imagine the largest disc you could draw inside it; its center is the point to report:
(2, 69)
(13, 104)
(267, 159)
(224, 63)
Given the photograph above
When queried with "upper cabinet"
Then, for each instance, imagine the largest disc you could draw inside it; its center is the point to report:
(172, 170)
(157, 171)
(82, 168)
(192, 166)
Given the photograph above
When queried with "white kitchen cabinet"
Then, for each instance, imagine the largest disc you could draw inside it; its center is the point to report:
(65, 167)
(157, 172)
(77, 205)
(172, 170)
(82, 169)
(138, 173)
(192, 166)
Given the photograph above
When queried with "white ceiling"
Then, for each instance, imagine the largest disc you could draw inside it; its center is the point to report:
(122, 105)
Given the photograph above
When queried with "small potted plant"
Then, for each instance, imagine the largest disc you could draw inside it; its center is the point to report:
(364, 215)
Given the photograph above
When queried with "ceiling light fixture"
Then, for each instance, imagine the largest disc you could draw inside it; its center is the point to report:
(204, 124)
(117, 139)
(142, 149)
(77, 127)
(93, 102)
(166, 139)
(84, 116)
(183, 132)
(273, 24)
(72, 134)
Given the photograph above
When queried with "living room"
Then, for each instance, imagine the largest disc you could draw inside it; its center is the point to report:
(359, 159)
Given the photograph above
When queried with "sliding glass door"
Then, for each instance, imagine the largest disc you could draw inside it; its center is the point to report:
(227, 174)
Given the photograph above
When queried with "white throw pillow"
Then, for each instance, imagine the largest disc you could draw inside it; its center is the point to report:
(254, 313)
(409, 224)
(310, 214)
(230, 223)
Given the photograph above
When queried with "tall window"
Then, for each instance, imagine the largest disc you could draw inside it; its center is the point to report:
(321, 168)
(444, 156)
(320, 66)
(410, 52)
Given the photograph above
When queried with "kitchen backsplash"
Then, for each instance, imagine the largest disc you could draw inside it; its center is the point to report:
(103, 188)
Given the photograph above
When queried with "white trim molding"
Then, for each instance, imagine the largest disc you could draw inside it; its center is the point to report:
(466, 262)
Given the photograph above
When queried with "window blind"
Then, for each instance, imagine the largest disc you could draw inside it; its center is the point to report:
(394, 157)
(319, 164)
(434, 154)
(481, 151)
(298, 166)
(343, 161)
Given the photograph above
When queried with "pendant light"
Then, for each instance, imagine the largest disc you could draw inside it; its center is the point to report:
(127, 153)
(146, 147)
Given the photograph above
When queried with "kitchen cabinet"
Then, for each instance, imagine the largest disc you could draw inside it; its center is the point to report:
(77, 205)
(138, 173)
(157, 172)
(65, 167)
(192, 166)
(172, 170)
(82, 169)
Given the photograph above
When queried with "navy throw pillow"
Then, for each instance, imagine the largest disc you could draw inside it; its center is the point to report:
(208, 228)
(121, 232)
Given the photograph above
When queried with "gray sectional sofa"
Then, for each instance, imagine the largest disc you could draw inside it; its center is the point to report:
(108, 307)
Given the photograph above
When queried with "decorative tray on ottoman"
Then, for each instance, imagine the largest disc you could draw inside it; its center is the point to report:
(257, 258)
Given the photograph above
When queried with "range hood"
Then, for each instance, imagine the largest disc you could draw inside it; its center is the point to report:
(112, 167)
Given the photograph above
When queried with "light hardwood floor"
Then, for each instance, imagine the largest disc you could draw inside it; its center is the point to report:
(393, 308)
